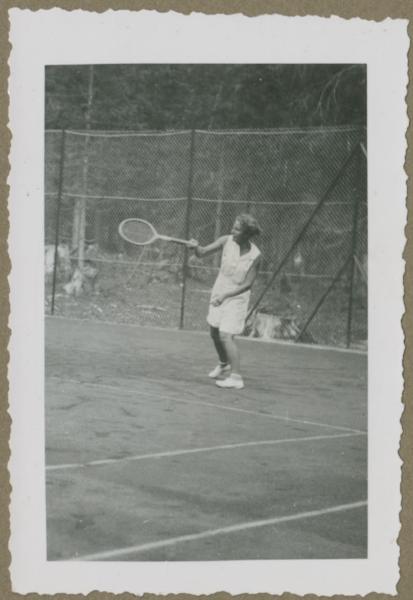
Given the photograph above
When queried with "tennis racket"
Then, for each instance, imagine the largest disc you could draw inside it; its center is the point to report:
(142, 233)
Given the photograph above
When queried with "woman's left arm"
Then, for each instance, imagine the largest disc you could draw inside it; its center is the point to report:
(249, 280)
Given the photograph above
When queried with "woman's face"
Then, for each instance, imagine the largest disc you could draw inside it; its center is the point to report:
(238, 232)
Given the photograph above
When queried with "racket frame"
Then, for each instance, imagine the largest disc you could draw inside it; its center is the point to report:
(155, 234)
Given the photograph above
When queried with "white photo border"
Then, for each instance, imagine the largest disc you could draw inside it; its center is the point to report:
(59, 37)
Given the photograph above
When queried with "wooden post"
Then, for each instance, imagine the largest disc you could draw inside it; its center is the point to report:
(187, 227)
(356, 204)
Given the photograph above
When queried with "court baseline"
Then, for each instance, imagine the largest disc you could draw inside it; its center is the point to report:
(204, 333)
(115, 553)
(183, 452)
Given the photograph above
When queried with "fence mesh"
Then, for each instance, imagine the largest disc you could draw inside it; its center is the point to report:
(195, 184)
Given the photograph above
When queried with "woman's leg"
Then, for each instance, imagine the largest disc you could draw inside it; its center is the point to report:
(231, 350)
(219, 346)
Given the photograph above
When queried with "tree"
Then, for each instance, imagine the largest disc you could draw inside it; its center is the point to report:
(158, 97)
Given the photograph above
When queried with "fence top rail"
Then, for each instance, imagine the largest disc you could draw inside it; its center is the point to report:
(171, 132)
(269, 202)
(196, 199)
(105, 197)
(122, 134)
(282, 130)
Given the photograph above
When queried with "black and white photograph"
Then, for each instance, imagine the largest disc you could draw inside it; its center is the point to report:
(207, 331)
(226, 445)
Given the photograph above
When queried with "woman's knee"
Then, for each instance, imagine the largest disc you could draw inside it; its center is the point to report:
(214, 332)
(225, 337)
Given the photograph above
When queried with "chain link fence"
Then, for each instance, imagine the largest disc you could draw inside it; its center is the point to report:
(307, 189)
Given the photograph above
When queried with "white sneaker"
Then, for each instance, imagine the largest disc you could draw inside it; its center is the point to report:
(219, 370)
(231, 382)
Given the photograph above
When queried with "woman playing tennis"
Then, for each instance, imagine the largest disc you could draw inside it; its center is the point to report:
(230, 295)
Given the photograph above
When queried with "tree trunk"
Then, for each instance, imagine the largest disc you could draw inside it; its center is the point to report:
(79, 220)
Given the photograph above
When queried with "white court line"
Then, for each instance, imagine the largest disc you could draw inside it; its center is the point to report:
(272, 416)
(220, 531)
(205, 333)
(210, 404)
(183, 452)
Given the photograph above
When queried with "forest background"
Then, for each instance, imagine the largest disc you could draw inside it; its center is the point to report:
(280, 178)
(159, 97)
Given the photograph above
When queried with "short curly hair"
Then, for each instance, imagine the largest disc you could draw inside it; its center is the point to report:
(249, 224)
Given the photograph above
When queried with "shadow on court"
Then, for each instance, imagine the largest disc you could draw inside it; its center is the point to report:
(148, 460)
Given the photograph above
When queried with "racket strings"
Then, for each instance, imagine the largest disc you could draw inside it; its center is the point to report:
(138, 232)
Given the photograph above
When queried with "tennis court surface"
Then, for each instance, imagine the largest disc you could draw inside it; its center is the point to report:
(148, 460)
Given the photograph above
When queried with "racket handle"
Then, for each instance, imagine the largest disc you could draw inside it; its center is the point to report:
(173, 239)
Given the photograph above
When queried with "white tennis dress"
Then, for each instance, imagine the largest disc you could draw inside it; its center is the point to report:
(229, 317)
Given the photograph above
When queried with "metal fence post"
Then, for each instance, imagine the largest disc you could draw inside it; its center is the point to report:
(356, 204)
(187, 227)
(59, 205)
